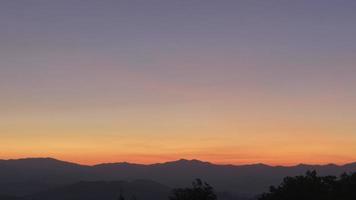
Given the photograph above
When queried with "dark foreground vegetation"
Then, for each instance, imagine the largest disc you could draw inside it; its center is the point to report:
(200, 190)
(314, 187)
(307, 187)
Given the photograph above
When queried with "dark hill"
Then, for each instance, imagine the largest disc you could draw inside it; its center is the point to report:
(28, 176)
(106, 190)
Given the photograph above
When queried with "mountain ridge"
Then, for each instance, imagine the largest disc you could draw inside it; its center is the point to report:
(30, 175)
(181, 160)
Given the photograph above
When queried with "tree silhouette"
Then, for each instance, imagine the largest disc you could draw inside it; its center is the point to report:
(313, 187)
(200, 191)
(121, 197)
(345, 187)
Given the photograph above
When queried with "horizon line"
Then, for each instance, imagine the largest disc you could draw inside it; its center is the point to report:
(177, 160)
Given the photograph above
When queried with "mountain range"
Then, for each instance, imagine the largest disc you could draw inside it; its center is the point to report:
(40, 178)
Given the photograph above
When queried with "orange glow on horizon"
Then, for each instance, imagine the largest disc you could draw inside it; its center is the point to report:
(217, 159)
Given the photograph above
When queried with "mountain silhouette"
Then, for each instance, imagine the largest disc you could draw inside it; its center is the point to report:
(34, 175)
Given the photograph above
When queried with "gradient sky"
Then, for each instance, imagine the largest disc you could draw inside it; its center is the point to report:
(226, 81)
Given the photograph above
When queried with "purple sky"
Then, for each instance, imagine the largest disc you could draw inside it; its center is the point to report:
(219, 70)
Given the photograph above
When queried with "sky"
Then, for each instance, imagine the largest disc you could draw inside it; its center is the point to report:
(228, 81)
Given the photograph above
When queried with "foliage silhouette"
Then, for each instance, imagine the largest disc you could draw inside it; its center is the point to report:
(121, 197)
(313, 187)
(200, 191)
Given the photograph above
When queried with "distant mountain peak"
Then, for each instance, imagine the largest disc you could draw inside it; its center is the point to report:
(123, 164)
(179, 161)
(184, 161)
(350, 164)
(39, 161)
